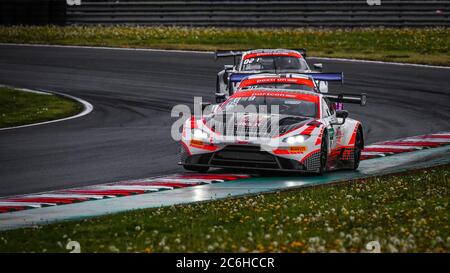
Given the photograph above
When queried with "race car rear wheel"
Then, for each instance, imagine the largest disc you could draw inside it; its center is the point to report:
(323, 155)
(200, 169)
(357, 150)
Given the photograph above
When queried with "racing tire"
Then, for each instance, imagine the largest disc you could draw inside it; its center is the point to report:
(200, 169)
(323, 155)
(357, 150)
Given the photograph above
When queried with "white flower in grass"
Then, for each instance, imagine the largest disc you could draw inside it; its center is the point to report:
(243, 249)
(113, 248)
(162, 242)
(356, 240)
(439, 240)
(392, 249)
(314, 240)
(321, 249)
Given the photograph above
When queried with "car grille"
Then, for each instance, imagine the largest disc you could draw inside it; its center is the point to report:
(244, 156)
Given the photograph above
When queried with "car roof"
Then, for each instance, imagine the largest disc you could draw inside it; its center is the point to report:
(271, 50)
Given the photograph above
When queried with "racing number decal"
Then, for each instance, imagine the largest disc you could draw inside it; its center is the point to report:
(249, 61)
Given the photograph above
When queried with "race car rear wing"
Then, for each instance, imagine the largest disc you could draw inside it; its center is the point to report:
(226, 53)
(329, 77)
(234, 53)
(360, 99)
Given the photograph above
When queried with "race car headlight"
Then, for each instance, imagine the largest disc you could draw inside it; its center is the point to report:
(199, 134)
(295, 139)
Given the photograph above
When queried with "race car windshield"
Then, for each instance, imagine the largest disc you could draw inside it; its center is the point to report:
(279, 85)
(274, 63)
(286, 106)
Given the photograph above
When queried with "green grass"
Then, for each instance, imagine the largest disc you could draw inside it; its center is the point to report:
(415, 45)
(405, 213)
(19, 107)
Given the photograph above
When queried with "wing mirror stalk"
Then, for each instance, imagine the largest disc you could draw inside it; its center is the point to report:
(318, 66)
(343, 114)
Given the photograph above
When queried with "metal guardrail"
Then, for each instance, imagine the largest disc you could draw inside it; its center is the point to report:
(264, 13)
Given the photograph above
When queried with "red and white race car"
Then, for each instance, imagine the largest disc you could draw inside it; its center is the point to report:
(283, 81)
(290, 130)
(278, 81)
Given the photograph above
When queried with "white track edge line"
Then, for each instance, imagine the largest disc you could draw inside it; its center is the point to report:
(87, 108)
(434, 140)
(374, 153)
(211, 52)
(110, 48)
(393, 147)
(379, 62)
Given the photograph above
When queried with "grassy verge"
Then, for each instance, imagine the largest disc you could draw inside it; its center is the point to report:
(415, 45)
(405, 213)
(19, 107)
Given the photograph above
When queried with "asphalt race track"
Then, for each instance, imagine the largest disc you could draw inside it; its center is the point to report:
(128, 134)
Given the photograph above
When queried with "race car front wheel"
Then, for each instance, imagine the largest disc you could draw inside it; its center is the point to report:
(357, 150)
(323, 155)
(200, 169)
(184, 155)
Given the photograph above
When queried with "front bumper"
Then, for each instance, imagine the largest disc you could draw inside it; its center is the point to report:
(250, 157)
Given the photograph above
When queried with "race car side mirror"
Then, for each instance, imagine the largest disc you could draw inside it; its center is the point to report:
(318, 66)
(228, 67)
(363, 99)
(323, 87)
(220, 97)
(343, 114)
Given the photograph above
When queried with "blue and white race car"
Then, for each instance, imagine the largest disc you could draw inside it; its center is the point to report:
(273, 61)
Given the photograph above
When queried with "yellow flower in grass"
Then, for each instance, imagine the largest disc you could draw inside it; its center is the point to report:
(296, 244)
(148, 250)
